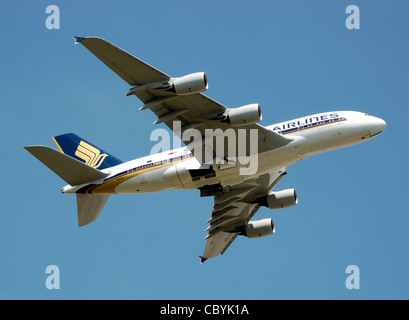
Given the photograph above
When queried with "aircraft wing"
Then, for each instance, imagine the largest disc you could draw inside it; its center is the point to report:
(192, 111)
(125, 65)
(234, 209)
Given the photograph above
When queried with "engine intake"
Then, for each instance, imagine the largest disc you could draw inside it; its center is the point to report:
(189, 84)
(247, 114)
(280, 199)
(259, 228)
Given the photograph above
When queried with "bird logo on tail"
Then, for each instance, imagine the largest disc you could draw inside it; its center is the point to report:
(91, 155)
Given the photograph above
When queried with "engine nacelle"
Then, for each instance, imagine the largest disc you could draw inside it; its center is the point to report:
(189, 84)
(247, 114)
(281, 199)
(259, 228)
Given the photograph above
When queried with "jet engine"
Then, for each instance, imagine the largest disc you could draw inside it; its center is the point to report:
(280, 199)
(189, 84)
(259, 228)
(247, 114)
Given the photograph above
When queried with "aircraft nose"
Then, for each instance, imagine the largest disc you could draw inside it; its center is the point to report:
(377, 126)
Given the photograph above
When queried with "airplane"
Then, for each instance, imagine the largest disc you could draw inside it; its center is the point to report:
(239, 175)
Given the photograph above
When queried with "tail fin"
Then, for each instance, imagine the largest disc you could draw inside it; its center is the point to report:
(82, 150)
(74, 172)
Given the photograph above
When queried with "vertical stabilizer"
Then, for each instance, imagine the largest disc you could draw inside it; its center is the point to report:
(84, 151)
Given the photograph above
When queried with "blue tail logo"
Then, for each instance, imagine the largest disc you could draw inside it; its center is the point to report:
(82, 150)
(91, 155)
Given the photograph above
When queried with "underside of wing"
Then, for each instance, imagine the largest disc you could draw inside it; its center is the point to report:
(217, 244)
(234, 209)
(201, 122)
(134, 71)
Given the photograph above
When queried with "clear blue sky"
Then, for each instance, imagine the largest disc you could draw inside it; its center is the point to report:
(294, 58)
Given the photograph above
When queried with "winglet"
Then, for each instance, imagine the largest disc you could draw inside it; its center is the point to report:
(202, 259)
(78, 39)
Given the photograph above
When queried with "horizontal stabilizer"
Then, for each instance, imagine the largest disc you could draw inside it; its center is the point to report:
(72, 171)
(89, 207)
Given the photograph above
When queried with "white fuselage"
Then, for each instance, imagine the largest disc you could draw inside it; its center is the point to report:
(170, 170)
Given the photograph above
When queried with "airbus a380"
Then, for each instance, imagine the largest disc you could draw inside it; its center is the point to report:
(239, 174)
